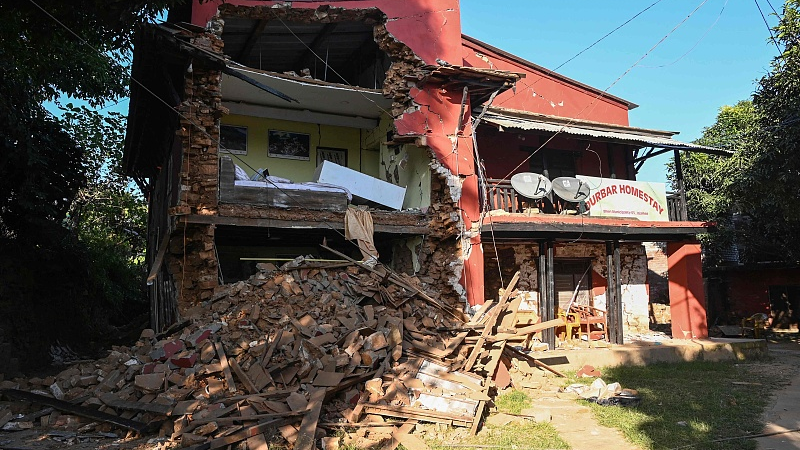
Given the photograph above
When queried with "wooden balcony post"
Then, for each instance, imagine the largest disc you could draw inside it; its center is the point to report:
(682, 213)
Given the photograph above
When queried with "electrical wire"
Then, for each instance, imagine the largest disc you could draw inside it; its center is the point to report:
(719, 16)
(772, 36)
(199, 128)
(530, 86)
(592, 104)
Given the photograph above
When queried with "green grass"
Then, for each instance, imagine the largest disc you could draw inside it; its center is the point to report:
(688, 403)
(527, 435)
(513, 402)
(519, 435)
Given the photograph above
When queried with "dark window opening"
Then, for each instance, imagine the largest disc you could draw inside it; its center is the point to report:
(785, 306)
(569, 275)
(338, 52)
(553, 163)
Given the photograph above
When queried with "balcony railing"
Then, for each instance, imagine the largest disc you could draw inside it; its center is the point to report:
(499, 194)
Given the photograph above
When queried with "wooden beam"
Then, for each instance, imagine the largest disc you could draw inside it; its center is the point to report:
(308, 427)
(490, 323)
(242, 435)
(223, 360)
(159, 259)
(619, 335)
(244, 53)
(78, 410)
(516, 353)
(651, 154)
(549, 334)
(315, 46)
(296, 224)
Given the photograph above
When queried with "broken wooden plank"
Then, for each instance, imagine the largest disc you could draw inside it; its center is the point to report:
(490, 323)
(117, 403)
(241, 435)
(252, 417)
(278, 393)
(257, 442)
(159, 259)
(530, 329)
(404, 429)
(82, 411)
(251, 388)
(225, 367)
(308, 427)
(516, 353)
(271, 349)
(424, 415)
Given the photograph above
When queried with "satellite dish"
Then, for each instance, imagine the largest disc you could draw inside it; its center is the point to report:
(531, 185)
(571, 189)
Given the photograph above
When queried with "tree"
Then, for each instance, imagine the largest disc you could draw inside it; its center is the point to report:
(708, 179)
(68, 223)
(757, 188)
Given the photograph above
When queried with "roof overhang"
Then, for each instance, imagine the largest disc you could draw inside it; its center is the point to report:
(481, 84)
(638, 137)
(561, 227)
(311, 97)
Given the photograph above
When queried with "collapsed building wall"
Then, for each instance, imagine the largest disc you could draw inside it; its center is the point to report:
(192, 260)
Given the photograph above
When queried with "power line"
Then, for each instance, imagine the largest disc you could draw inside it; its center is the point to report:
(719, 16)
(530, 86)
(604, 92)
(201, 129)
(768, 27)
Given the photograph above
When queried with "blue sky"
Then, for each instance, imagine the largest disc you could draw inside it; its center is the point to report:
(684, 95)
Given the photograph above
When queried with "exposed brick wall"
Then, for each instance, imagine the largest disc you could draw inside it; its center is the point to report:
(193, 264)
(199, 133)
(657, 269)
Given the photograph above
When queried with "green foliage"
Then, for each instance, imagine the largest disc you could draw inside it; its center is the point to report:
(708, 179)
(71, 230)
(107, 215)
(752, 195)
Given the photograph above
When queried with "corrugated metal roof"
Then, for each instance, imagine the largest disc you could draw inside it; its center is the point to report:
(629, 135)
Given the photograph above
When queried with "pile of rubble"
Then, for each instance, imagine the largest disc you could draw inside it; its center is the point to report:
(284, 356)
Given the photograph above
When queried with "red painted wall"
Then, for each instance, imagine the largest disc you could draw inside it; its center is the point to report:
(542, 93)
(748, 290)
(502, 153)
(686, 294)
(406, 20)
(432, 29)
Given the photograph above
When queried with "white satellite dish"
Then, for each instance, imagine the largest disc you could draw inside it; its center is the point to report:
(571, 189)
(531, 185)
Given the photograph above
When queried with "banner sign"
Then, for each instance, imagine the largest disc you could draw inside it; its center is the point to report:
(610, 197)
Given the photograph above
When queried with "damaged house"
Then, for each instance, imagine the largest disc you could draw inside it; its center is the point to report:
(260, 130)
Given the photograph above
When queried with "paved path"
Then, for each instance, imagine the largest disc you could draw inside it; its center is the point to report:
(576, 424)
(784, 411)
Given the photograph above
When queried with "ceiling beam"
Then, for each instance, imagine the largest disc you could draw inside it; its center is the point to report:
(315, 46)
(244, 54)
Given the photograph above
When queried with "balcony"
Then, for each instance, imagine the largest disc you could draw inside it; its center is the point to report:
(500, 195)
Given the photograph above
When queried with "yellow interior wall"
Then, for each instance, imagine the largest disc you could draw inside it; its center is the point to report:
(408, 166)
(365, 152)
(296, 170)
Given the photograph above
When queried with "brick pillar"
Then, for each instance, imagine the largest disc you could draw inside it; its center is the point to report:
(686, 296)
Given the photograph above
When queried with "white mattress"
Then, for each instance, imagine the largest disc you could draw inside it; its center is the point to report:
(309, 186)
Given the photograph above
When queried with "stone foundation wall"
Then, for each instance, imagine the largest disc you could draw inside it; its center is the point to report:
(525, 257)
